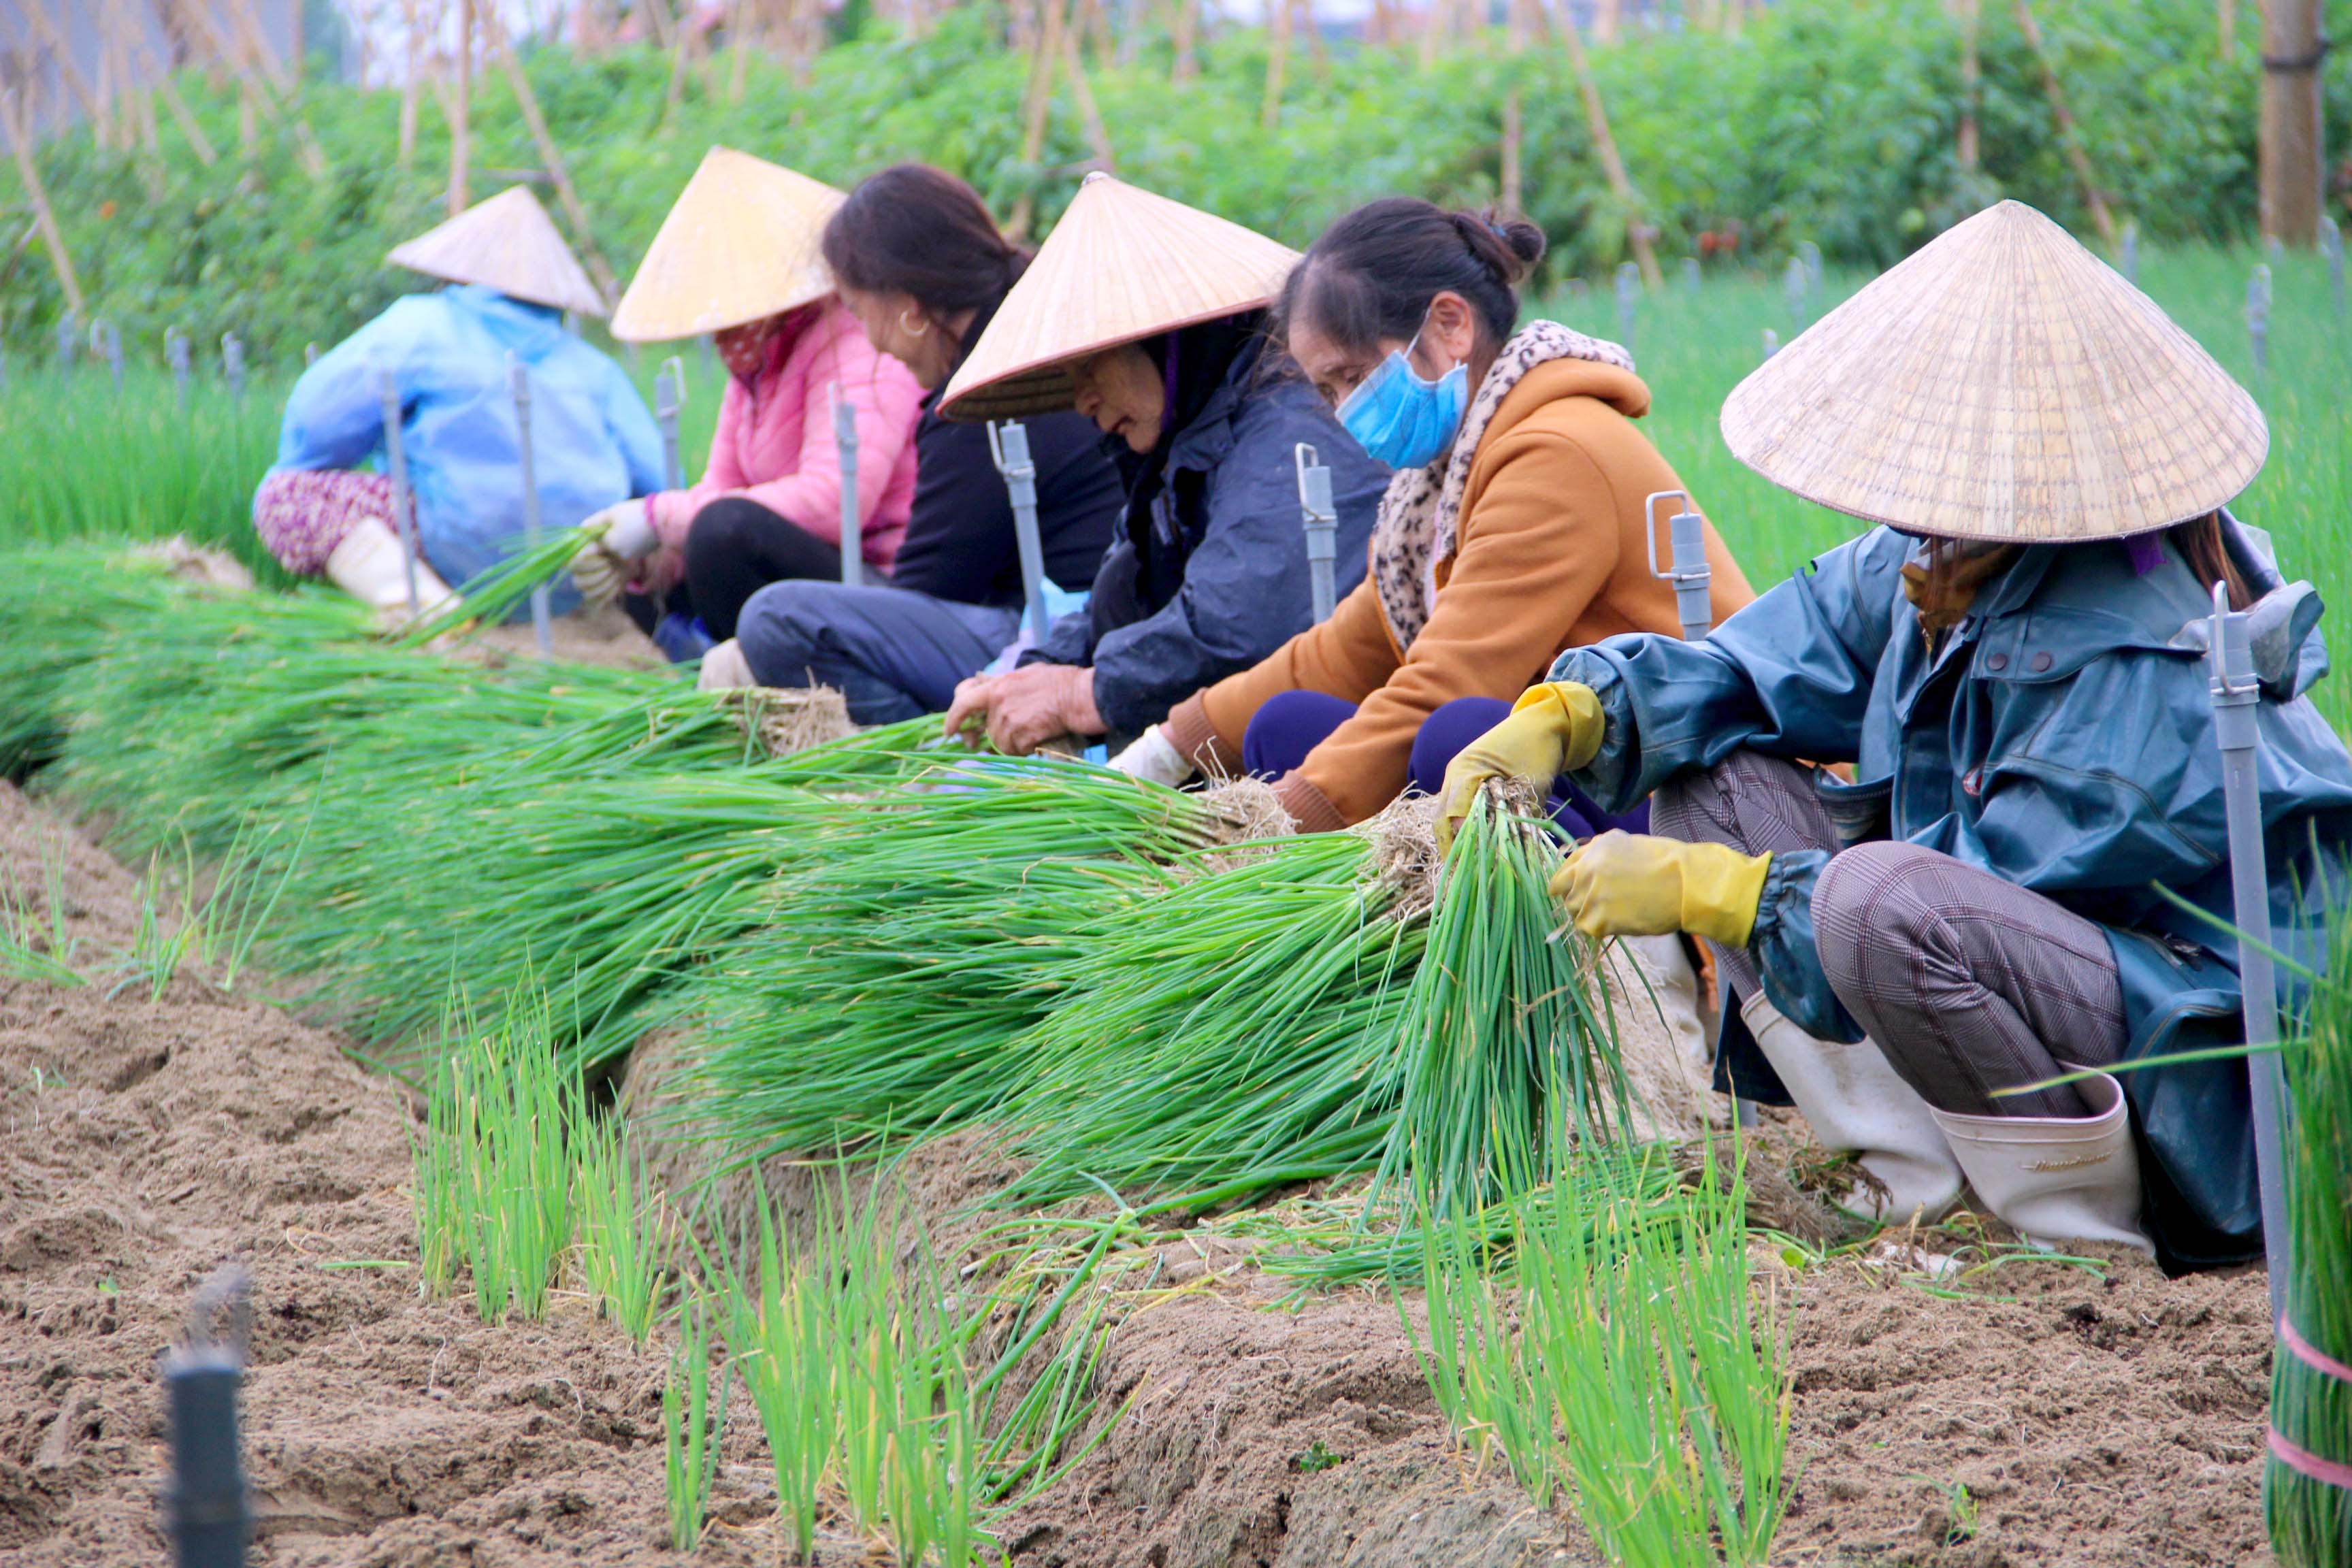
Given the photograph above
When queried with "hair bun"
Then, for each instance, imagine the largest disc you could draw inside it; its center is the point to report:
(1511, 246)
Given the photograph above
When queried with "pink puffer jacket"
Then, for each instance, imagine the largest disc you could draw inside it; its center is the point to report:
(774, 444)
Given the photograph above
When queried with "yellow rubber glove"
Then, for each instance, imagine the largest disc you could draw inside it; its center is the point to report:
(1553, 728)
(1634, 884)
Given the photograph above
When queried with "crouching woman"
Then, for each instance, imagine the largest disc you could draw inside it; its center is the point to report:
(2020, 888)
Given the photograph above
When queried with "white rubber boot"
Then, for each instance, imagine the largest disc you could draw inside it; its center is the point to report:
(1853, 1100)
(368, 566)
(2057, 1178)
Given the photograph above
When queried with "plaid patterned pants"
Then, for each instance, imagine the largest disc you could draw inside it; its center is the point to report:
(1970, 984)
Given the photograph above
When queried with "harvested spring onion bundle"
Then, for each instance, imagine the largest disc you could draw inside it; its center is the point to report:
(491, 597)
(906, 958)
(2311, 1407)
(1227, 1035)
(1500, 1029)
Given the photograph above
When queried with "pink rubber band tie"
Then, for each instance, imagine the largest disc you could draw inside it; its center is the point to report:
(2301, 1460)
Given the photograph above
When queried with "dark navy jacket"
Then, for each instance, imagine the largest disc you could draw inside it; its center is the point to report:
(1213, 576)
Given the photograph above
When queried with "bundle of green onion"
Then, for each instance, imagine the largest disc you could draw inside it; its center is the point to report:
(2305, 1480)
(1226, 1036)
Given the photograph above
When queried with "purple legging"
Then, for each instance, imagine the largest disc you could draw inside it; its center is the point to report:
(1294, 723)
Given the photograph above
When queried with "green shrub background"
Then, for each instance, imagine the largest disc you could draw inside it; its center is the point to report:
(1824, 120)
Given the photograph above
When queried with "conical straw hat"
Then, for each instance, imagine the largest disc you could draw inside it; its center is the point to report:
(740, 245)
(1121, 265)
(2002, 383)
(510, 244)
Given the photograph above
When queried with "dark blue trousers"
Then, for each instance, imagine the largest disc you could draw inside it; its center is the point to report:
(892, 653)
(1295, 723)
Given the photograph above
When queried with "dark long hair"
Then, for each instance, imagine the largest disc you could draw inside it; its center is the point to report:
(1370, 277)
(913, 229)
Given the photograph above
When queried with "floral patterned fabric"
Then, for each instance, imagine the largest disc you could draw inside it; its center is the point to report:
(303, 514)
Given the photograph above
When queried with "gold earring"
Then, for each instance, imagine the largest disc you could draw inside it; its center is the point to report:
(911, 330)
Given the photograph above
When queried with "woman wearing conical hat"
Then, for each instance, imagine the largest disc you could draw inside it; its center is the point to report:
(1515, 527)
(2012, 662)
(919, 260)
(736, 258)
(320, 513)
(1147, 317)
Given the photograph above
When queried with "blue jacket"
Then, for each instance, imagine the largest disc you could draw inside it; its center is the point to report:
(1213, 576)
(2061, 738)
(592, 442)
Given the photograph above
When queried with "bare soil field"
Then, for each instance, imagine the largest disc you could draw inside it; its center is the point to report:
(2038, 1413)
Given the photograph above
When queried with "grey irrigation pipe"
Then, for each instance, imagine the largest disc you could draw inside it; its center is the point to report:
(233, 364)
(669, 397)
(1694, 581)
(106, 343)
(519, 383)
(2237, 702)
(176, 352)
(1320, 518)
(1008, 444)
(395, 462)
(844, 447)
(205, 1505)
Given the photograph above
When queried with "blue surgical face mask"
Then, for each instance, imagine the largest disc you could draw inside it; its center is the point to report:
(1401, 418)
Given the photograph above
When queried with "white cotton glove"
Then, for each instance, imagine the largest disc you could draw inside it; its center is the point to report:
(1152, 757)
(600, 570)
(370, 566)
(724, 668)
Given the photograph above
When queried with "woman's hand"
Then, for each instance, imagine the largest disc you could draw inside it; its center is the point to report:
(1634, 884)
(1553, 728)
(1025, 708)
(602, 567)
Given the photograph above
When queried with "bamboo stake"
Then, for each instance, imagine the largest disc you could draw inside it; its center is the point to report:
(1277, 65)
(2229, 29)
(1605, 21)
(37, 12)
(1971, 73)
(678, 53)
(495, 37)
(1313, 30)
(1090, 116)
(1186, 39)
(408, 84)
(461, 111)
(1036, 109)
(1605, 147)
(19, 147)
(2069, 138)
(1514, 113)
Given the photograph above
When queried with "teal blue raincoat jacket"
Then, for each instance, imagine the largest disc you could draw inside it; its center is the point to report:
(2062, 737)
(592, 442)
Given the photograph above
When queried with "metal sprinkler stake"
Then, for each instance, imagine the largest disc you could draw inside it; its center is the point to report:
(845, 445)
(233, 364)
(106, 344)
(1771, 343)
(2237, 702)
(669, 397)
(1629, 293)
(1694, 581)
(1792, 284)
(175, 350)
(519, 383)
(309, 356)
(206, 1511)
(2131, 253)
(1810, 255)
(69, 333)
(1008, 444)
(404, 524)
(1321, 519)
(2258, 317)
(1692, 275)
